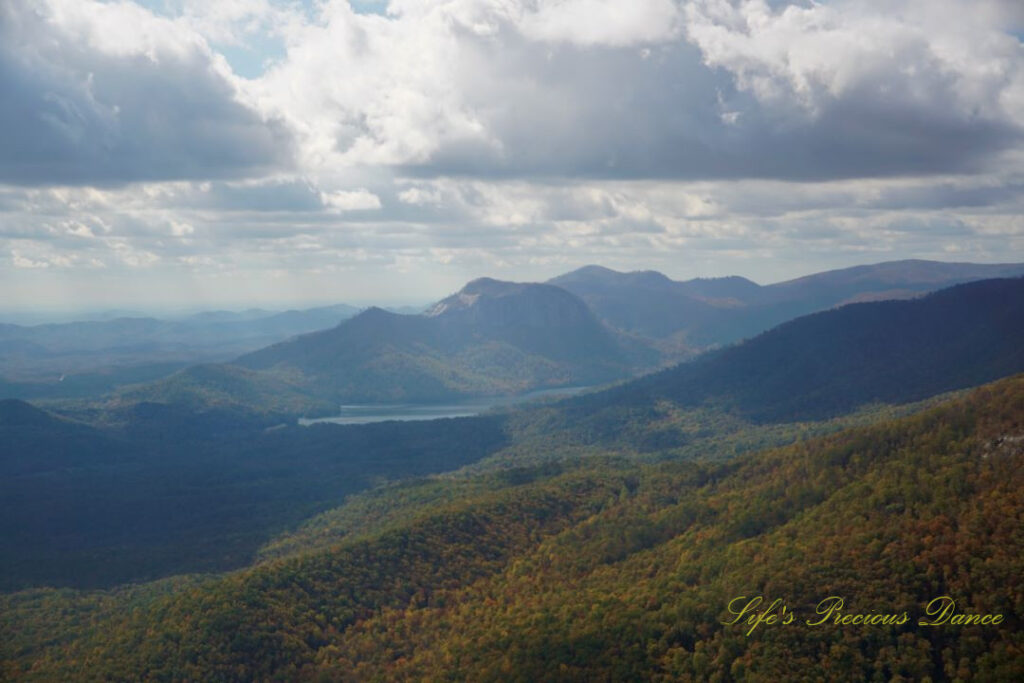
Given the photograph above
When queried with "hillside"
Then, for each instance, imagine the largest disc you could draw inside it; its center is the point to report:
(607, 570)
(489, 338)
(915, 275)
(199, 331)
(650, 304)
(89, 358)
(204, 473)
(716, 311)
(831, 362)
(167, 490)
(228, 387)
(35, 441)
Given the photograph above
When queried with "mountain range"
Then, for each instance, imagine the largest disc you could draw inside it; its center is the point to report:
(847, 452)
(714, 311)
(830, 362)
(88, 357)
(491, 337)
(217, 439)
(587, 327)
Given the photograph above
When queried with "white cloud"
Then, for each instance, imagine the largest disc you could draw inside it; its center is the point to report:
(517, 88)
(232, 22)
(20, 261)
(655, 89)
(98, 93)
(180, 229)
(420, 196)
(446, 139)
(608, 23)
(919, 55)
(357, 200)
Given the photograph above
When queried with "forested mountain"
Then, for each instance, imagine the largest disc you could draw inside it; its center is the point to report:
(192, 473)
(722, 310)
(608, 570)
(35, 441)
(892, 279)
(650, 304)
(230, 387)
(170, 490)
(489, 338)
(88, 358)
(831, 362)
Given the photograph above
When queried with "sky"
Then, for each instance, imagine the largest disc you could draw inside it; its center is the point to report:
(189, 153)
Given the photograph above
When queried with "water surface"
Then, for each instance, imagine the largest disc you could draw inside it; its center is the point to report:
(405, 412)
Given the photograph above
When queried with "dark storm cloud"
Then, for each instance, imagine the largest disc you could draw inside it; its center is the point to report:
(625, 113)
(71, 113)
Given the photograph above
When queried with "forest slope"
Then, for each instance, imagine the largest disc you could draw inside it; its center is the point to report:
(715, 311)
(619, 571)
(491, 337)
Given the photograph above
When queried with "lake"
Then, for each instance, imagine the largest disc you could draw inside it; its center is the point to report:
(405, 412)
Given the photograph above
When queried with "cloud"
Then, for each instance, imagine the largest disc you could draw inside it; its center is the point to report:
(358, 200)
(704, 89)
(442, 140)
(656, 89)
(97, 93)
(928, 89)
(603, 22)
(766, 230)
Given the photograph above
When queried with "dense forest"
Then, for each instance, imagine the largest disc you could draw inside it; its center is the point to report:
(603, 569)
(194, 473)
(828, 363)
(174, 491)
(520, 341)
(192, 529)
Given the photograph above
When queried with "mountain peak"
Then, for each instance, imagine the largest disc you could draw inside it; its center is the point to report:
(592, 271)
(491, 287)
(601, 276)
(373, 312)
(475, 290)
(489, 337)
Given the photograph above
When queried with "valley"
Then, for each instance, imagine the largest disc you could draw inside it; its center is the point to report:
(511, 341)
(237, 483)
